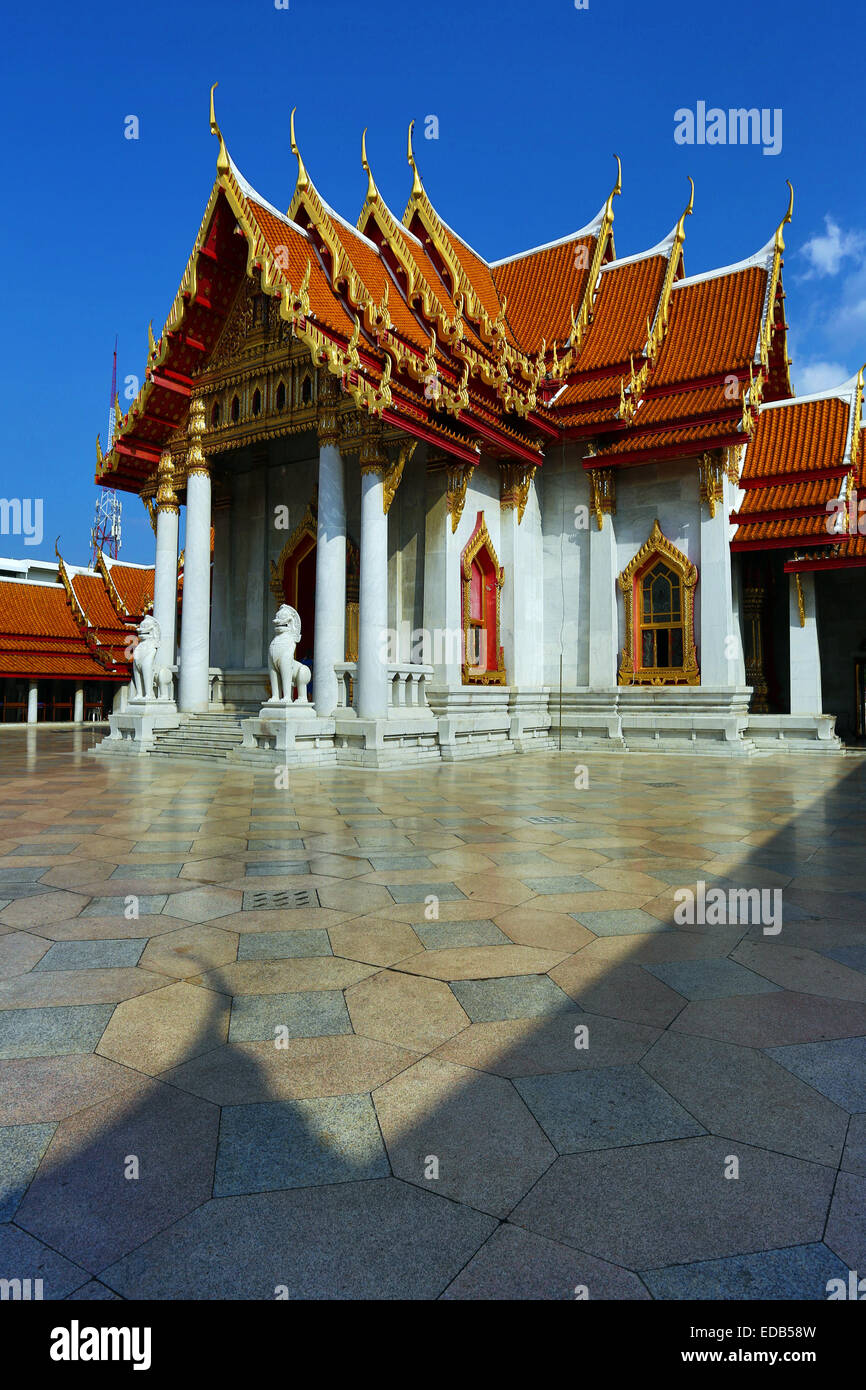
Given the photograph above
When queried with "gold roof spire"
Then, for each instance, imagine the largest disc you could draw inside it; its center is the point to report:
(416, 180)
(680, 234)
(779, 244)
(372, 191)
(222, 157)
(615, 191)
(303, 176)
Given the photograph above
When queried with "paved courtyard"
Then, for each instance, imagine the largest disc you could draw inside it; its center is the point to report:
(432, 1033)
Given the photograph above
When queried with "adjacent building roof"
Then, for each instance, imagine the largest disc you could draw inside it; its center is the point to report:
(75, 628)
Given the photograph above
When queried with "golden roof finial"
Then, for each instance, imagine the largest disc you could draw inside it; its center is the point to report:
(779, 243)
(417, 187)
(223, 156)
(303, 177)
(615, 191)
(372, 191)
(680, 235)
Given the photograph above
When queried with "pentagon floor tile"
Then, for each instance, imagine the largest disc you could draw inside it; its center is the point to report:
(36, 1090)
(50, 1275)
(165, 1027)
(800, 1272)
(487, 1148)
(21, 1149)
(687, 1210)
(836, 1068)
(82, 1202)
(607, 1108)
(516, 1265)
(408, 1011)
(386, 1240)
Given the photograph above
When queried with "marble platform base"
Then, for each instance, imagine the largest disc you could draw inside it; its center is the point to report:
(794, 733)
(132, 729)
(665, 719)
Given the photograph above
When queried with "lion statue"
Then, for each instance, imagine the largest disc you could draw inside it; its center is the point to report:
(284, 671)
(146, 680)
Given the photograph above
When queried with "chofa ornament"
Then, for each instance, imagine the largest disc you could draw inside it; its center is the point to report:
(146, 680)
(285, 672)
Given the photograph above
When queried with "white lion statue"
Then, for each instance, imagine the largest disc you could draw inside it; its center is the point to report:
(285, 672)
(146, 680)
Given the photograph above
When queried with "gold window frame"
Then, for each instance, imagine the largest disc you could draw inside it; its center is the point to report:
(658, 547)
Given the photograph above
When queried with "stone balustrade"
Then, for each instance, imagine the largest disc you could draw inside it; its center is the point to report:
(407, 685)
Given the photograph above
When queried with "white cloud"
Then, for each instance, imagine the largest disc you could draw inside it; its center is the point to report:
(825, 253)
(819, 376)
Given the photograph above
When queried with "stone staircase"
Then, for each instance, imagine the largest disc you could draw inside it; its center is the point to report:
(210, 736)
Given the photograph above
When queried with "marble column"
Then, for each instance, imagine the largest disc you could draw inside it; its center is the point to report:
(32, 702)
(603, 615)
(329, 640)
(720, 654)
(522, 606)
(78, 707)
(195, 613)
(372, 693)
(806, 695)
(165, 576)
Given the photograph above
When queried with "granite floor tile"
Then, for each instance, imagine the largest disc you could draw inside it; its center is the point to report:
(710, 979)
(279, 945)
(82, 1202)
(273, 1145)
(463, 1135)
(517, 996)
(165, 1027)
(516, 1265)
(303, 1014)
(37, 1090)
(854, 1156)
(92, 955)
(801, 1272)
(21, 1148)
(846, 1225)
(50, 1032)
(687, 1210)
(617, 922)
(388, 1240)
(50, 1275)
(610, 1107)
(836, 1068)
(408, 1011)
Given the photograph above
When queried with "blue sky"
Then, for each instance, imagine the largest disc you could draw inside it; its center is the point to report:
(531, 101)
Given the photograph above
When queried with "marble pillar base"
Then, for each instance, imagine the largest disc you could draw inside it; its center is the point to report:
(132, 729)
(286, 734)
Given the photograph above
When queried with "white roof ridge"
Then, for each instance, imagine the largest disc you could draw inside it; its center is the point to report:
(344, 222)
(463, 241)
(761, 260)
(128, 564)
(31, 583)
(846, 391)
(661, 248)
(250, 192)
(591, 229)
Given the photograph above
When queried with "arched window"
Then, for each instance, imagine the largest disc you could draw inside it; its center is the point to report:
(482, 578)
(236, 410)
(215, 415)
(281, 396)
(257, 402)
(658, 589)
(306, 390)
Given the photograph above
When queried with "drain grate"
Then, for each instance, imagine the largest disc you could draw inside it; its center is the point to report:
(547, 820)
(280, 897)
(664, 784)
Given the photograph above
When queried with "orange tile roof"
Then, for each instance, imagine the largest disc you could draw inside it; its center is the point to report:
(627, 297)
(714, 326)
(134, 585)
(814, 493)
(542, 288)
(35, 610)
(653, 441)
(293, 251)
(798, 437)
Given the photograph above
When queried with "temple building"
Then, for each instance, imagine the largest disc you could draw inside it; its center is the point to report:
(66, 634)
(440, 507)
